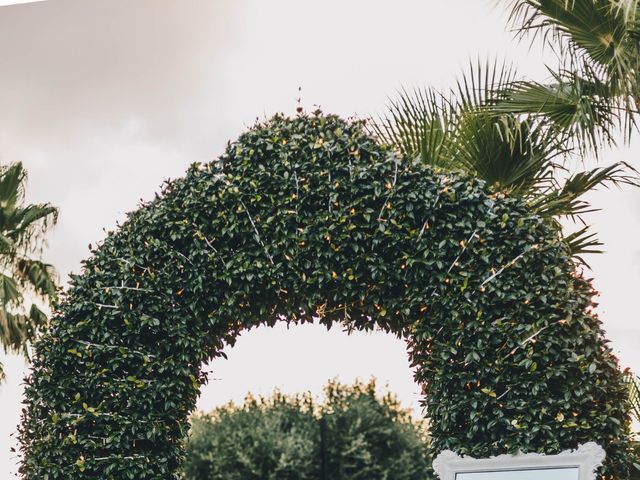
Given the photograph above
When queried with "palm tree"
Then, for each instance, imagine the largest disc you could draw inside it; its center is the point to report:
(516, 133)
(596, 83)
(477, 128)
(25, 279)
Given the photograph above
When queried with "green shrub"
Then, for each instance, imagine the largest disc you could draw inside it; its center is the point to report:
(367, 436)
(309, 218)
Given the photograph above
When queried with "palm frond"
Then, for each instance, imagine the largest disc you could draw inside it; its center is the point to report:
(589, 27)
(18, 329)
(12, 185)
(13, 332)
(10, 294)
(509, 154)
(582, 242)
(483, 83)
(37, 277)
(422, 123)
(577, 109)
(597, 39)
(418, 124)
(567, 202)
(26, 226)
(7, 245)
(507, 150)
(22, 228)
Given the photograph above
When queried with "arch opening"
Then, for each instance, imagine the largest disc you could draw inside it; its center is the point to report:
(302, 358)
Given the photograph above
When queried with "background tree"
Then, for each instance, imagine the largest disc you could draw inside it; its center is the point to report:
(266, 438)
(24, 278)
(371, 436)
(367, 436)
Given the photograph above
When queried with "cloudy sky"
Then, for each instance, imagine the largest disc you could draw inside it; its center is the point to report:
(104, 99)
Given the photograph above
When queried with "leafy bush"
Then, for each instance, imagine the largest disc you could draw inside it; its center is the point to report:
(274, 438)
(371, 437)
(367, 437)
(305, 218)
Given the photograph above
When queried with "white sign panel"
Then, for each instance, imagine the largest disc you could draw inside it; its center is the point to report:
(570, 473)
(579, 464)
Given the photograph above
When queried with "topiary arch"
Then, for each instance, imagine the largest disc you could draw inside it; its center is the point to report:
(307, 218)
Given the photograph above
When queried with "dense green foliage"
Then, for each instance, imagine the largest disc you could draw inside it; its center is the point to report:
(275, 438)
(23, 275)
(367, 437)
(309, 218)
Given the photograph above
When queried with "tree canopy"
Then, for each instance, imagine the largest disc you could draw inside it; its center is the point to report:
(25, 279)
(360, 434)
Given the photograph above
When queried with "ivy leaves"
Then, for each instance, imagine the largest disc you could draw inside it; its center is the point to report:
(309, 219)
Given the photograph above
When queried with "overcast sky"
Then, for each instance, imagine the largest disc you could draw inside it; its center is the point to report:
(16, 2)
(104, 99)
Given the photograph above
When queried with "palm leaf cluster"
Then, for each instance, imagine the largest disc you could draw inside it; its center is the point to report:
(595, 85)
(476, 128)
(25, 280)
(516, 133)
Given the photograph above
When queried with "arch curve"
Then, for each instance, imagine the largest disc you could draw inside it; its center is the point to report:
(309, 218)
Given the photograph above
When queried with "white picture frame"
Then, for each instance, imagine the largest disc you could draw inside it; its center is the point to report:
(586, 459)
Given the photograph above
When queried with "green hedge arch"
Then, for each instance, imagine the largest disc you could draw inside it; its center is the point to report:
(310, 217)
